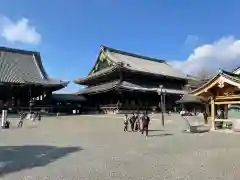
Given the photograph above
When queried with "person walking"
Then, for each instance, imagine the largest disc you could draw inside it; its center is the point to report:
(137, 124)
(39, 116)
(20, 123)
(145, 123)
(126, 123)
(132, 122)
(57, 115)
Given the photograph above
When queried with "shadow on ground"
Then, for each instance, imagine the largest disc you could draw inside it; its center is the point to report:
(153, 130)
(160, 135)
(16, 158)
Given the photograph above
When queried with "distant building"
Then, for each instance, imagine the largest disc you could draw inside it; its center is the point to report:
(65, 103)
(194, 83)
(121, 81)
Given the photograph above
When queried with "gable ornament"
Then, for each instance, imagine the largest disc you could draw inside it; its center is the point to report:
(220, 83)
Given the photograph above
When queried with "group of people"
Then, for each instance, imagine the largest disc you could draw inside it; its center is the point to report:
(32, 116)
(137, 123)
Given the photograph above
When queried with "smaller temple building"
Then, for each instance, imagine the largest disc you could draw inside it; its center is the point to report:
(220, 91)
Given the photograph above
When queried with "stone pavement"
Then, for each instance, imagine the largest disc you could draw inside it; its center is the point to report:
(93, 147)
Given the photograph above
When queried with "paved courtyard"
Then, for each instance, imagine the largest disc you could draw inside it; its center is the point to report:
(88, 147)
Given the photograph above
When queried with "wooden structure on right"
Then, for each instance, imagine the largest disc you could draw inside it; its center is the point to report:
(220, 91)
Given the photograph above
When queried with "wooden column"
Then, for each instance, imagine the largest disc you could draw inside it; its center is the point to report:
(207, 109)
(213, 113)
(226, 111)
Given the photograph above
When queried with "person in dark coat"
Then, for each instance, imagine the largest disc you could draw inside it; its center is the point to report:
(7, 125)
(205, 115)
(145, 123)
(132, 121)
(39, 116)
(126, 123)
(137, 123)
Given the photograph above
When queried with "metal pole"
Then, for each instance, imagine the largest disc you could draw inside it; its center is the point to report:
(30, 99)
(164, 97)
(160, 93)
(162, 108)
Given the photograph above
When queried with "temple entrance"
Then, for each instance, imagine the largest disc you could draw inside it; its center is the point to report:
(220, 92)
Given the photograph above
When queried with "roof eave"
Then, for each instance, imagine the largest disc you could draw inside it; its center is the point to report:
(94, 76)
(154, 74)
(221, 73)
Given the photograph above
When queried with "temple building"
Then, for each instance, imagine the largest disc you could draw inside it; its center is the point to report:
(220, 92)
(23, 81)
(65, 103)
(122, 81)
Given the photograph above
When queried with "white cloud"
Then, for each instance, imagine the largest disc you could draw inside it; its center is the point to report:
(19, 31)
(224, 53)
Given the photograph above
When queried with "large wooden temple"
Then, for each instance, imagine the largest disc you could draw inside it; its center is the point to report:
(122, 81)
(23, 81)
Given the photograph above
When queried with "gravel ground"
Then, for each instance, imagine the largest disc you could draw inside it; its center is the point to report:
(95, 147)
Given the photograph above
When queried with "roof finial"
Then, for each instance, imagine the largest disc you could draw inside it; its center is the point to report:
(102, 48)
(220, 70)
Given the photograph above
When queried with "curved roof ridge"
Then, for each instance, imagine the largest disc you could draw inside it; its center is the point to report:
(132, 54)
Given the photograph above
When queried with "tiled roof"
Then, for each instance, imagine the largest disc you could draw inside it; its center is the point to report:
(142, 63)
(126, 86)
(132, 62)
(100, 73)
(229, 75)
(187, 98)
(24, 67)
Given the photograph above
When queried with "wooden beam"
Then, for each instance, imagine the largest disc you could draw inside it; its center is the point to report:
(228, 102)
(206, 87)
(227, 97)
(214, 82)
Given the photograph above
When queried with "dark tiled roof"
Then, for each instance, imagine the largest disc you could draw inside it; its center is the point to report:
(230, 75)
(142, 63)
(187, 98)
(235, 69)
(197, 83)
(24, 67)
(127, 86)
(97, 74)
(100, 88)
(135, 63)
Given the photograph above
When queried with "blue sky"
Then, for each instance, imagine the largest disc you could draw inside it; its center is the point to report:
(71, 32)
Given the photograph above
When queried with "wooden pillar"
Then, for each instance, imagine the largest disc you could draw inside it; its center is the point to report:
(213, 113)
(225, 111)
(207, 109)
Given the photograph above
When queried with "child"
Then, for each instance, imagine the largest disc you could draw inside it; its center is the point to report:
(126, 123)
(7, 124)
